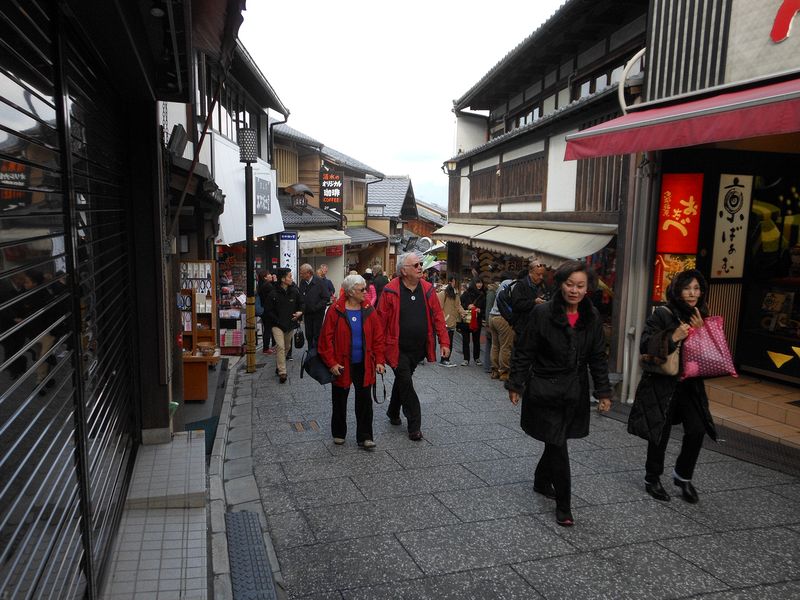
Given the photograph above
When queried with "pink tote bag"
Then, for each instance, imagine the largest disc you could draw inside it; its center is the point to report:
(706, 352)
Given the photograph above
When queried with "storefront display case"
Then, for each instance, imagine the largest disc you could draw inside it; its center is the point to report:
(232, 301)
(198, 309)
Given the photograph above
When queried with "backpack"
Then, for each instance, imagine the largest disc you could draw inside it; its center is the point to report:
(259, 306)
(503, 301)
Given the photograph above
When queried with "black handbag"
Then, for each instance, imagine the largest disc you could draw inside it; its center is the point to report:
(299, 338)
(556, 390)
(375, 390)
(316, 369)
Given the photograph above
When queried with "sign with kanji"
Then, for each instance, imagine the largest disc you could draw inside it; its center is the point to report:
(679, 213)
(333, 250)
(331, 192)
(263, 195)
(288, 251)
(730, 232)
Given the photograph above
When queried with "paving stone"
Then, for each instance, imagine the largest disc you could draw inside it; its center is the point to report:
(480, 584)
(615, 460)
(741, 558)
(619, 524)
(740, 509)
(290, 452)
(495, 502)
(276, 498)
(513, 470)
(236, 450)
(325, 492)
(484, 544)
(340, 466)
(414, 457)
(778, 591)
(457, 434)
(326, 567)
(787, 490)
(289, 530)
(241, 490)
(606, 438)
(608, 488)
(391, 515)
(240, 467)
(714, 477)
(518, 446)
(416, 481)
(637, 572)
(268, 474)
(237, 434)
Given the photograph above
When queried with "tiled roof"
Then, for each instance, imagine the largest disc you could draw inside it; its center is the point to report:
(564, 111)
(390, 192)
(346, 161)
(310, 216)
(430, 215)
(364, 235)
(284, 131)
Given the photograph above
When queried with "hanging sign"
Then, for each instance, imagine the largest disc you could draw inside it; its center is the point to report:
(263, 193)
(679, 213)
(331, 192)
(333, 250)
(288, 251)
(730, 232)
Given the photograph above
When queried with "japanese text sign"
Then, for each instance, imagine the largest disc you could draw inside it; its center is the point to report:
(331, 192)
(730, 232)
(288, 251)
(679, 213)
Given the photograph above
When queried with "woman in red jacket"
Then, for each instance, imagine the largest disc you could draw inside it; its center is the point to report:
(351, 346)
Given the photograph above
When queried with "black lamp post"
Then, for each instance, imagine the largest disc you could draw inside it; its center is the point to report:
(248, 154)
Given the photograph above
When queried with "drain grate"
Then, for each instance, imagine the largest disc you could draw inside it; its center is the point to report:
(303, 426)
(251, 577)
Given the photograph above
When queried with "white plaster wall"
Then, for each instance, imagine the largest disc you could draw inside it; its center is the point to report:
(563, 98)
(561, 175)
(470, 132)
(492, 208)
(521, 207)
(463, 201)
(548, 105)
(487, 162)
(524, 151)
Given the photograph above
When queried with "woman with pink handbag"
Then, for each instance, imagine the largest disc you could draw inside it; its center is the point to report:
(662, 398)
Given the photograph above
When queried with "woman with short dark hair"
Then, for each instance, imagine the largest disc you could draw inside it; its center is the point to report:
(662, 400)
(560, 345)
(473, 301)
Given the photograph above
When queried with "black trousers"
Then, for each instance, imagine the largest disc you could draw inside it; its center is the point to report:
(363, 406)
(553, 468)
(450, 334)
(403, 393)
(466, 334)
(313, 328)
(690, 446)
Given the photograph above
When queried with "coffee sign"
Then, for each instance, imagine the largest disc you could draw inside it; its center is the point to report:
(331, 191)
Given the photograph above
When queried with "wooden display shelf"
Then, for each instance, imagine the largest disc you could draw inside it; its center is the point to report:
(195, 375)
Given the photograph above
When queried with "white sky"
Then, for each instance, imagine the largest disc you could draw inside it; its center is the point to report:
(377, 80)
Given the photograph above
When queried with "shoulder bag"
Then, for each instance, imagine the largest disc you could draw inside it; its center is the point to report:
(671, 366)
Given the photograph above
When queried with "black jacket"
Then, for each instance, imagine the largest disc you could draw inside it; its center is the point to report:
(474, 296)
(523, 299)
(558, 356)
(264, 290)
(655, 393)
(281, 305)
(315, 296)
(379, 281)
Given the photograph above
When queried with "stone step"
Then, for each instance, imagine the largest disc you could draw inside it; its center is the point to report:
(768, 400)
(752, 424)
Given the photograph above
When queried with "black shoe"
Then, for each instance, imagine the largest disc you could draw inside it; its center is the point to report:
(656, 490)
(547, 490)
(282, 378)
(688, 492)
(564, 518)
(393, 420)
(415, 436)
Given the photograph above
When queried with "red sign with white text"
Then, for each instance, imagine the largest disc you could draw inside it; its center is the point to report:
(679, 213)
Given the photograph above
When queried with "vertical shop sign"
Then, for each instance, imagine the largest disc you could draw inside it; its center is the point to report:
(288, 251)
(730, 232)
(331, 185)
(679, 214)
(263, 193)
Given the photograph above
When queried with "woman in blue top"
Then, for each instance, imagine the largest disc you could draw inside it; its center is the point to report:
(351, 346)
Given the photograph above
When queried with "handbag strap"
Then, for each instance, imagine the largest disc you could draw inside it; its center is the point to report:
(374, 389)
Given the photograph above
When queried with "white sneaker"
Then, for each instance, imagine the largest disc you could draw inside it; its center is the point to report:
(367, 445)
(464, 363)
(478, 362)
(338, 441)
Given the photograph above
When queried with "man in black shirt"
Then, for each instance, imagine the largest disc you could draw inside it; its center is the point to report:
(412, 318)
(315, 298)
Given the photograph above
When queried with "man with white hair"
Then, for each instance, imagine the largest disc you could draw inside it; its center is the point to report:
(412, 318)
(315, 299)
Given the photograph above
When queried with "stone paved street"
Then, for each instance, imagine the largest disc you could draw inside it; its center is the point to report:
(454, 516)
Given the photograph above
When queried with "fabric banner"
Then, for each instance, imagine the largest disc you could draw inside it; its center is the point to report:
(730, 232)
(679, 213)
(288, 251)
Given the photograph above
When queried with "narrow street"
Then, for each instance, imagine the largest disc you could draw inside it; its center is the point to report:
(455, 516)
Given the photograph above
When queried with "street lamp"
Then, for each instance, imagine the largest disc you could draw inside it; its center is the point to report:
(248, 154)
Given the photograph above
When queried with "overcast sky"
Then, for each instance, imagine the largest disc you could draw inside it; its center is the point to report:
(377, 80)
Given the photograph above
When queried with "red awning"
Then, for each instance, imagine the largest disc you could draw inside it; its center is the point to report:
(767, 110)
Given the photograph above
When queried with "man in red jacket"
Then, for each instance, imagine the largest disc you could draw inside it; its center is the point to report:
(412, 319)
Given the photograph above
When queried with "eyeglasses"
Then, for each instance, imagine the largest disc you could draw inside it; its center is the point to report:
(414, 266)
(359, 289)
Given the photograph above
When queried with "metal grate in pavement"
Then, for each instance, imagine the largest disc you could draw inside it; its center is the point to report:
(251, 577)
(303, 426)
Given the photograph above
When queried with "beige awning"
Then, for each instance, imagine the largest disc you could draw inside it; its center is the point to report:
(459, 232)
(316, 238)
(550, 246)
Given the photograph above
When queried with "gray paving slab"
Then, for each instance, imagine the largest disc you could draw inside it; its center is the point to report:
(512, 470)
(787, 490)
(325, 492)
(497, 502)
(277, 499)
(290, 530)
(517, 446)
(480, 584)
(343, 465)
(290, 452)
(457, 434)
(740, 509)
(777, 591)
(479, 545)
(742, 558)
(269, 474)
(340, 565)
(713, 477)
(610, 488)
(613, 525)
(636, 572)
(400, 483)
(377, 517)
(415, 457)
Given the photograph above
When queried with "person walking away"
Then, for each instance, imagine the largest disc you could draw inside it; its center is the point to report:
(412, 319)
(323, 274)
(502, 336)
(529, 291)
(473, 301)
(549, 373)
(264, 289)
(451, 308)
(491, 292)
(315, 298)
(351, 346)
(371, 294)
(379, 280)
(662, 400)
(284, 307)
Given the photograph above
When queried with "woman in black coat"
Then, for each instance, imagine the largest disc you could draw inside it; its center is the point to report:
(473, 297)
(549, 371)
(662, 400)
